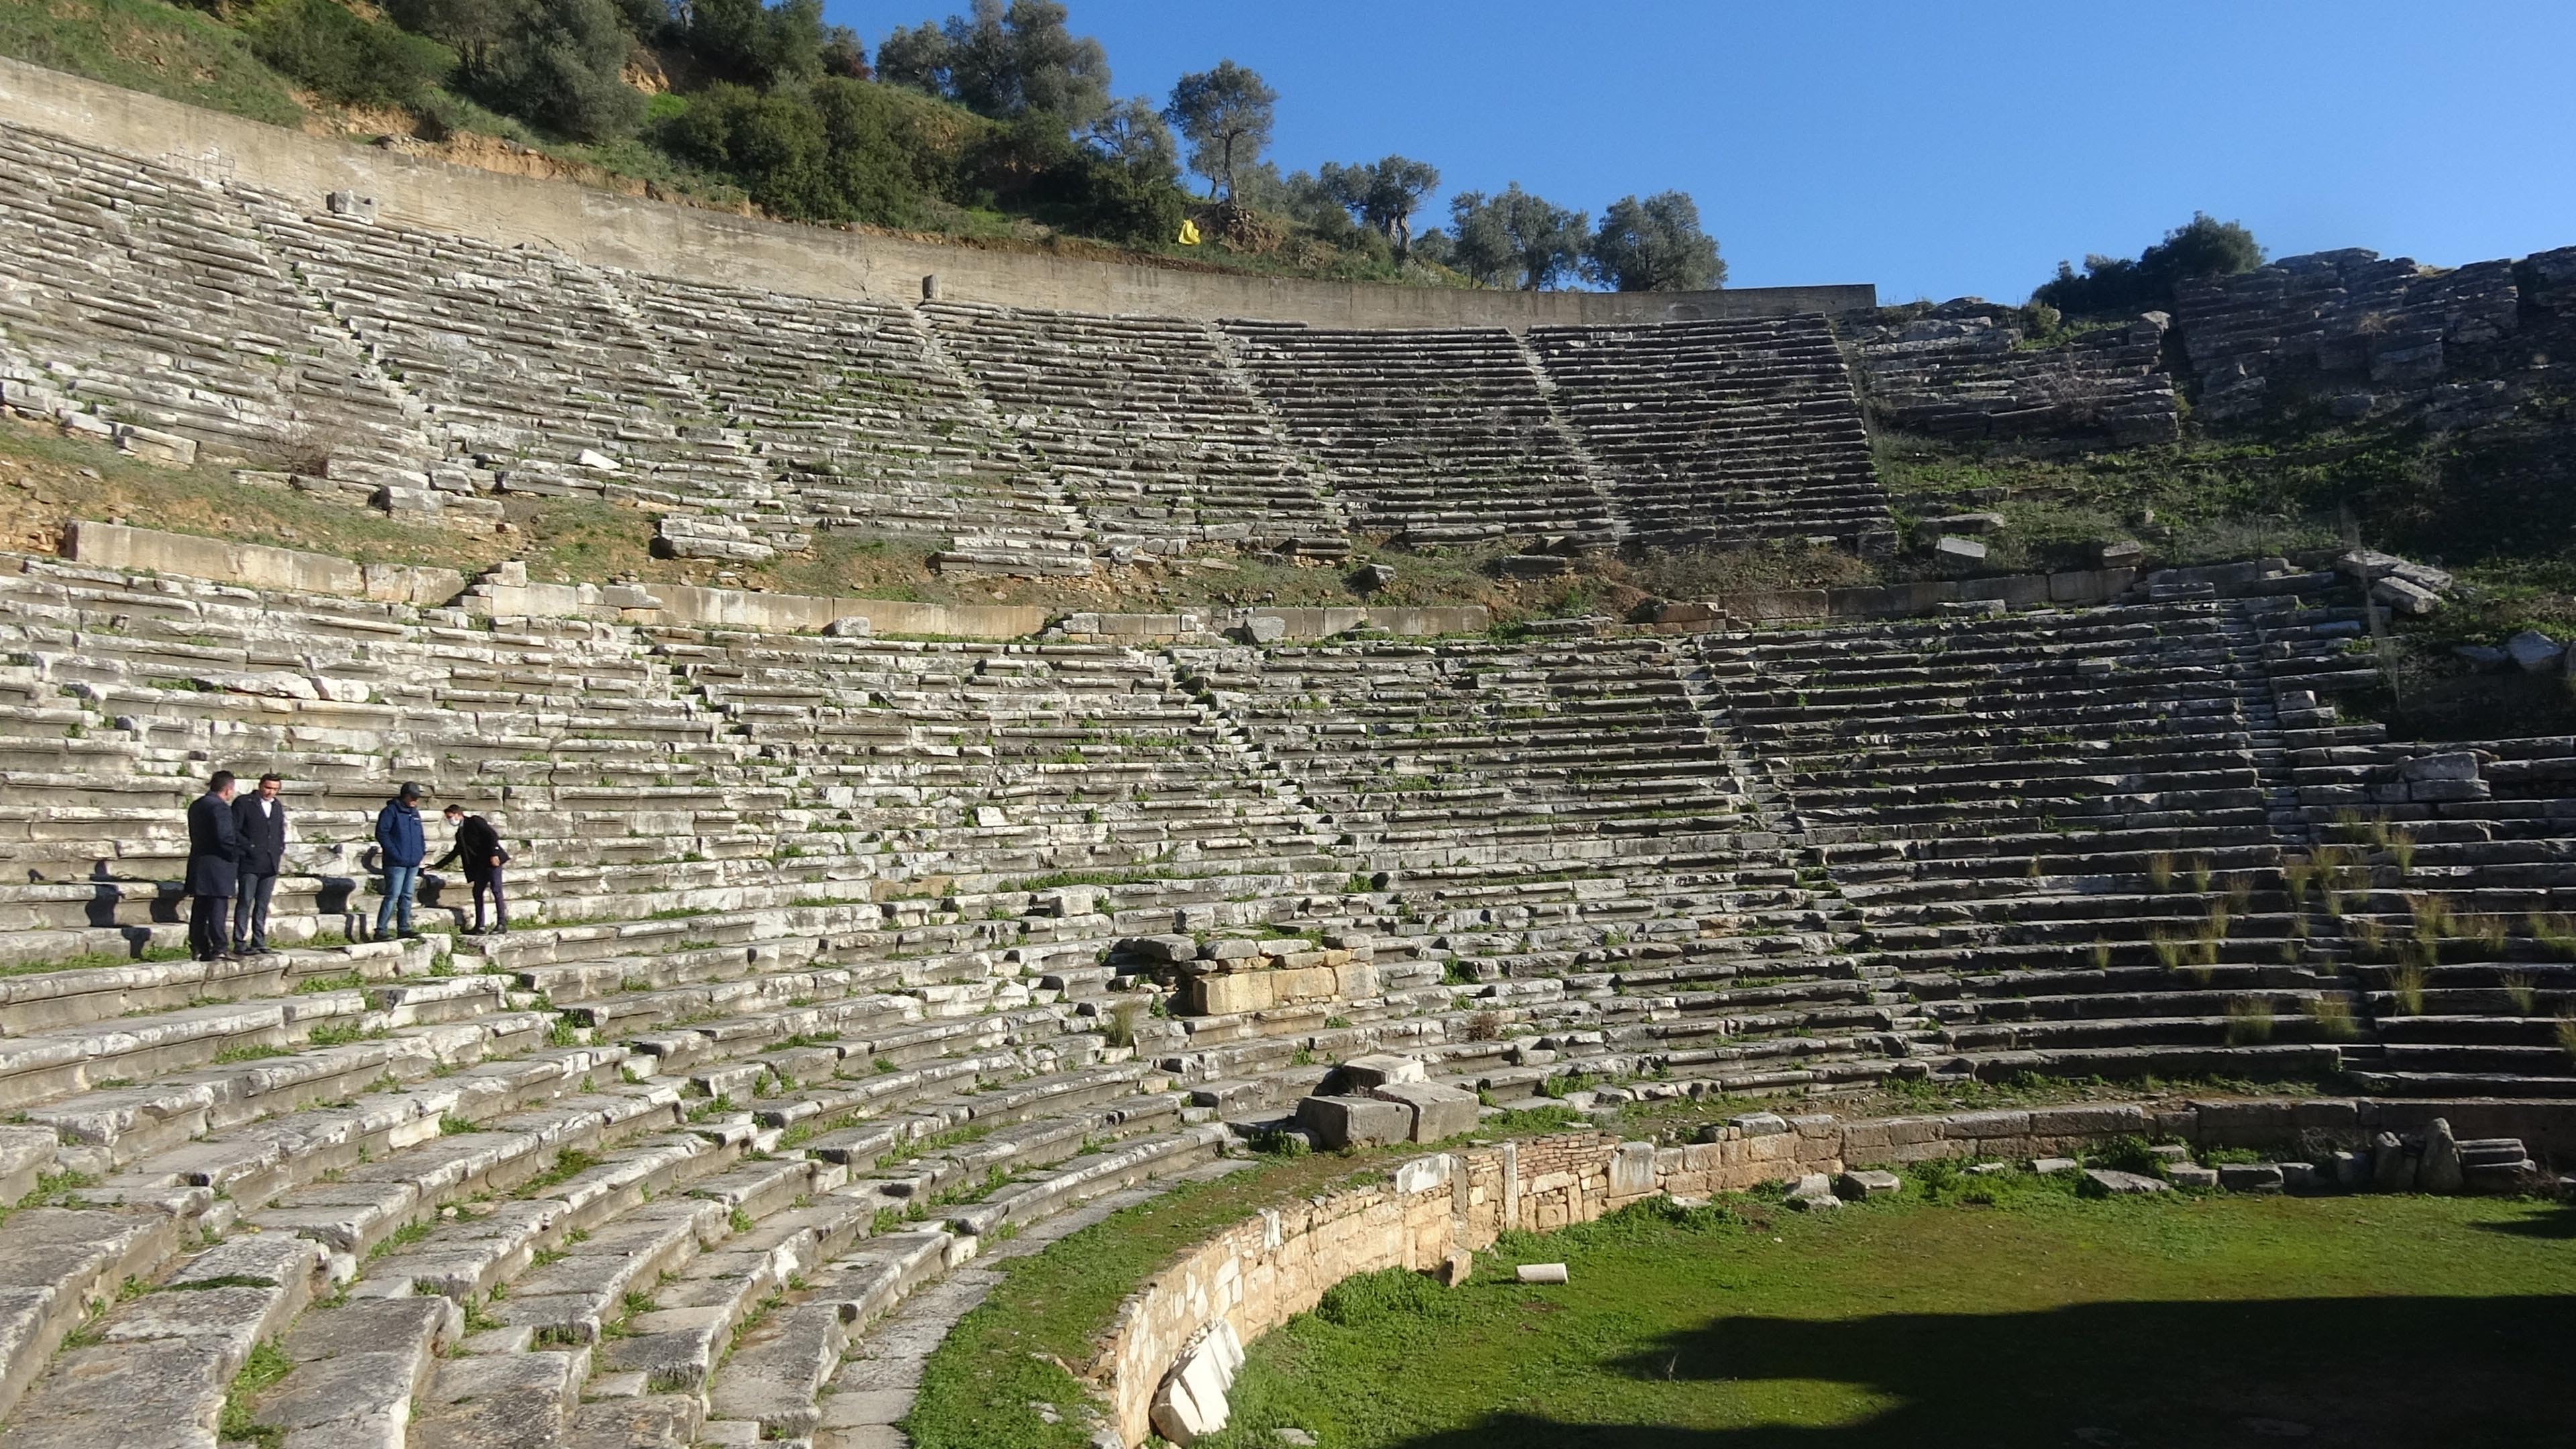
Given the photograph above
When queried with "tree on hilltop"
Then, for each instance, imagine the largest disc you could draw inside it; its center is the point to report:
(1226, 114)
(1003, 61)
(1516, 239)
(1382, 195)
(1654, 245)
(1131, 132)
(2200, 248)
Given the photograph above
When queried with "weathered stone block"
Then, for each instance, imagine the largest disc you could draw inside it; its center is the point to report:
(1382, 1069)
(1437, 1111)
(1336, 1122)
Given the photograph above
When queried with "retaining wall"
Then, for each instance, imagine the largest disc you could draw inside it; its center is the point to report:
(608, 229)
(1261, 1272)
(258, 566)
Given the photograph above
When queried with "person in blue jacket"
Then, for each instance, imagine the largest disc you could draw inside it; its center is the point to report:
(399, 838)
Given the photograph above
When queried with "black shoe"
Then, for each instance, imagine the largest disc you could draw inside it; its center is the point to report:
(474, 930)
(409, 935)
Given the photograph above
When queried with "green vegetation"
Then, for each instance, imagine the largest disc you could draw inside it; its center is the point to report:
(151, 45)
(266, 1365)
(2201, 247)
(995, 125)
(1974, 1311)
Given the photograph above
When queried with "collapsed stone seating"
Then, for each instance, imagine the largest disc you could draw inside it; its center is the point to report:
(1440, 436)
(1964, 372)
(2375, 332)
(1725, 431)
(1142, 420)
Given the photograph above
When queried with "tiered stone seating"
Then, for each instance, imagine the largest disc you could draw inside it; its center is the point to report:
(1142, 422)
(136, 296)
(2446, 873)
(874, 427)
(1558, 831)
(2056, 831)
(1440, 436)
(537, 367)
(828, 963)
(1727, 431)
(499, 1149)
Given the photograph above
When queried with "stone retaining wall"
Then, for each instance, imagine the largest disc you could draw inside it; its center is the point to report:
(608, 229)
(257, 566)
(1268, 1268)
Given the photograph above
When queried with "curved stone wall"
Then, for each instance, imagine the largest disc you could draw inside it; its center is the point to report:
(1265, 1270)
(709, 246)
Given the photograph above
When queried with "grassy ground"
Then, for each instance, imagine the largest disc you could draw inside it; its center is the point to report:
(1984, 1312)
(1016, 1354)
(148, 45)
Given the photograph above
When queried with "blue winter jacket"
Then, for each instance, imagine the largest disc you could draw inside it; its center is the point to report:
(398, 833)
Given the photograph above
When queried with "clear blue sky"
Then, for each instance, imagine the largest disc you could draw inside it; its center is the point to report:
(1935, 147)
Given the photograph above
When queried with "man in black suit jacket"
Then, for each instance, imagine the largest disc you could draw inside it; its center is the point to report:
(214, 866)
(262, 819)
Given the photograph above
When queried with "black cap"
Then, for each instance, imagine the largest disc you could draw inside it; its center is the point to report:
(411, 790)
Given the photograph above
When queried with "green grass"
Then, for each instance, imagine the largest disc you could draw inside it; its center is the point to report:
(266, 1365)
(149, 45)
(1982, 1311)
(982, 1387)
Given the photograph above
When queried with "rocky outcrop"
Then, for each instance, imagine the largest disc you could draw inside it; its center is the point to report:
(2375, 335)
(1968, 370)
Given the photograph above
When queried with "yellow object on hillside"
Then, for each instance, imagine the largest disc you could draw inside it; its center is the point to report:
(1189, 232)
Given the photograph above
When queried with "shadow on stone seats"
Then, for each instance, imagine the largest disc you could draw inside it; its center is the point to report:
(2376, 1372)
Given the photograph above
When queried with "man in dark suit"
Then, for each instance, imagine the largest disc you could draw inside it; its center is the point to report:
(262, 818)
(214, 867)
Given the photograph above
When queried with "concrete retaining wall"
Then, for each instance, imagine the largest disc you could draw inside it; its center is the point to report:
(1264, 1270)
(608, 229)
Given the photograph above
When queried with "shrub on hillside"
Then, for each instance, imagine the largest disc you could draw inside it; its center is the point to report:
(563, 67)
(556, 64)
(762, 45)
(2201, 247)
(324, 48)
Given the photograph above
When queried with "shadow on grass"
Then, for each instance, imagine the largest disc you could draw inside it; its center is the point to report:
(2557, 1223)
(2311, 1372)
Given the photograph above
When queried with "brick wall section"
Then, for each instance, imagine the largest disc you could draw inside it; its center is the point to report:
(1268, 1268)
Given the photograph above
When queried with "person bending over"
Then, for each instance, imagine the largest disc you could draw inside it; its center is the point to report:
(478, 848)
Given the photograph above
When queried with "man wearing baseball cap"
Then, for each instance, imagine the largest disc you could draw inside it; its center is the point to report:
(403, 844)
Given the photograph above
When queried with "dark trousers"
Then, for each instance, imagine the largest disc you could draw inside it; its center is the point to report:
(206, 931)
(500, 903)
(250, 910)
